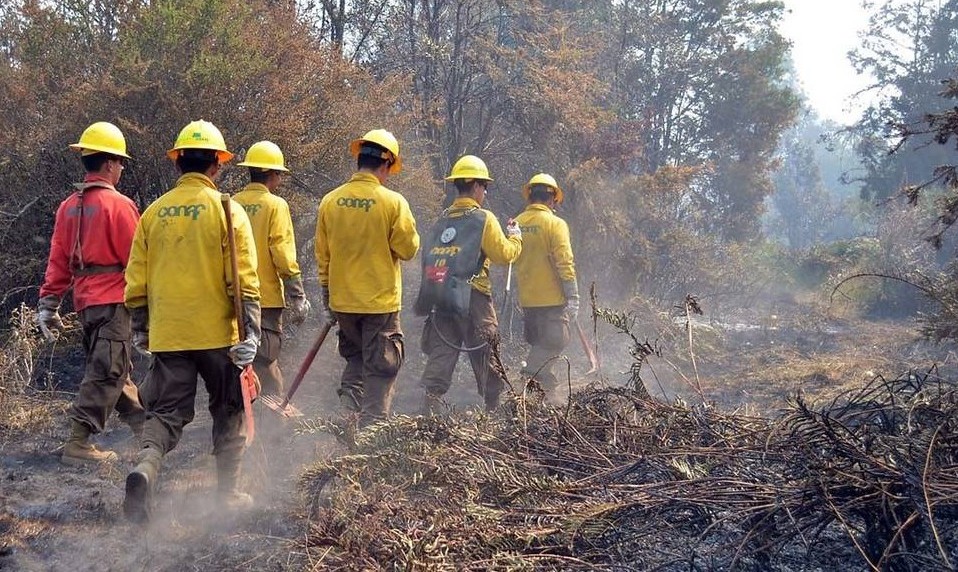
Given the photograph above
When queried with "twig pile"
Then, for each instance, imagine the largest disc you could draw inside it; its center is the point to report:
(617, 482)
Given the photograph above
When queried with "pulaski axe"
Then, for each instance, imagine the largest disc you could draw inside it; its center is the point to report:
(593, 359)
(248, 379)
(282, 406)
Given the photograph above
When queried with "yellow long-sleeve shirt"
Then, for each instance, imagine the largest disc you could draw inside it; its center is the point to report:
(363, 230)
(497, 248)
(546, 260)
(275, 242)
(180, 267)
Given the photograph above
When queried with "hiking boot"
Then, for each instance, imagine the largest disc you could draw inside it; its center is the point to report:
(431, 404)
(227, 481)
(235, 500)
(349, 401)
(78, 450)
(139, 486)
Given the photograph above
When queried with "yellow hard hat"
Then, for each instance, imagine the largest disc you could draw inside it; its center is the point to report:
(102, 137)
(264, 155)
(542, 179)
(469, 167)
(384, 139)
(200, 135)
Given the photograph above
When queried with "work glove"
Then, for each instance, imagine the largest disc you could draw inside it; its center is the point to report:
(297, 306)
(512, 229)
(243, 352)
(328, 314)
(140, 324)
(571, 290)
(48, 317)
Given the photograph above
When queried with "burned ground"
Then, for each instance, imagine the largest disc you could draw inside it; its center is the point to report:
(859, 467)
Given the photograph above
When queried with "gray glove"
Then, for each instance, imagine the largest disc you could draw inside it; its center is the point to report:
(140, 324)
(297, 306)
(571, 290)
(512, 229)
(243, 352)
(48, 317)
(328, 314)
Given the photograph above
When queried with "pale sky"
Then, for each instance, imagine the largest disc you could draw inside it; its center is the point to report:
(822, 32)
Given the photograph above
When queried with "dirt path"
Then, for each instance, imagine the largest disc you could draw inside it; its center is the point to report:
(54, 517)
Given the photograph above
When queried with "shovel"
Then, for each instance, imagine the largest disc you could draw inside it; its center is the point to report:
(248, 379)
(282, 406)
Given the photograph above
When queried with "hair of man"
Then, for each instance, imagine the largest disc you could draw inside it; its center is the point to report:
(257, 175)
(196, 160)
(371, 156)
(94, 162)
(541, 194)
(466, 186)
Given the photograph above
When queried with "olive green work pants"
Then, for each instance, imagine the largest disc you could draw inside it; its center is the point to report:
(546, 329)
(266, 363)
(372, 345)
(169, 395)
(106, 383)
(444, 334)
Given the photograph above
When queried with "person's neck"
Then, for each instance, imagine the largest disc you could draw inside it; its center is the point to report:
(106, 175)
(381, 173)
(473, 196)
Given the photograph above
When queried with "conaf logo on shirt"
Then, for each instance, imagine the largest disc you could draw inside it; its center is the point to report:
(251, 209)
(88, 210)
(192, 211)
(355, 203)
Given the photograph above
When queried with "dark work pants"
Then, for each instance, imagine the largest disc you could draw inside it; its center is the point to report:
(481, 325)
(546, 329)
(169, 396)
(106, 383)
(372, 345)
(266, 363)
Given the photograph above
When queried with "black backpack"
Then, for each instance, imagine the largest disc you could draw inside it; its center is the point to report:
(451, 258)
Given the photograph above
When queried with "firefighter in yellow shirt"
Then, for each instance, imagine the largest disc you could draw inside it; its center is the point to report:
(363, 231)
(178, 292)
(456, 292)
(545, 274)
(280, 281)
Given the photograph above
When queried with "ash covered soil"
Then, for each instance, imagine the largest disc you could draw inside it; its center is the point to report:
(56, 517)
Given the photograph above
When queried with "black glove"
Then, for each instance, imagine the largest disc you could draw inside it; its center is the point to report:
(140, 324)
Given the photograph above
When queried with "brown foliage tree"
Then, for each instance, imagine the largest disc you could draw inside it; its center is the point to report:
(151, 68)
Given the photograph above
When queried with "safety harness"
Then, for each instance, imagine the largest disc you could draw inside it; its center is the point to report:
(77, 266)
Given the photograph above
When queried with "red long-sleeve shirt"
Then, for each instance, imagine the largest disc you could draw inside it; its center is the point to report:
(109, 220)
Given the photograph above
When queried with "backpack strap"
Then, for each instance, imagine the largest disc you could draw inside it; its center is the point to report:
(76, 251)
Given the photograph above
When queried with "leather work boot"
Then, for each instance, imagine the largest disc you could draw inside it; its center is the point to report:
(140, 484)
(431, 404)
(492, 402)
(78, 450)
(227, 481)
(349, 401)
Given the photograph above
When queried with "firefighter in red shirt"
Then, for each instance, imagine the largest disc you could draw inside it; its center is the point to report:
(91, 242)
